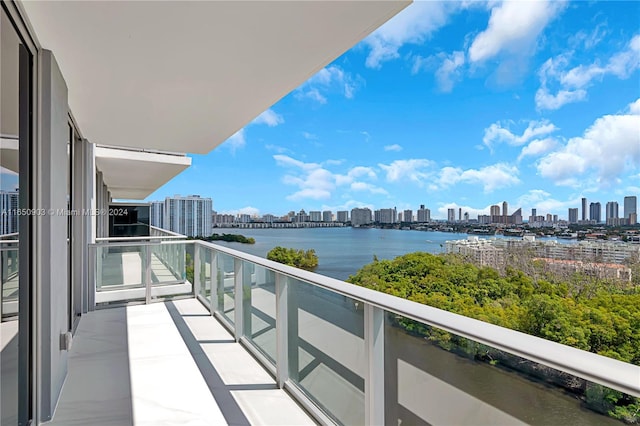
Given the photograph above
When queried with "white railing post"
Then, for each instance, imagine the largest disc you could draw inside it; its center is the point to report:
(92, 277)
(147, 273)
(197, 269)
(237, 304)
(374, 380)
(282, 351)
(213, 295)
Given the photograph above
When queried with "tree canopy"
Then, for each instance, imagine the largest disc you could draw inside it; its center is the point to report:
(307, 260)
(579, 311)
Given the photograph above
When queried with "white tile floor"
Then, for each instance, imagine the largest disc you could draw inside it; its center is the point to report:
(167, 364)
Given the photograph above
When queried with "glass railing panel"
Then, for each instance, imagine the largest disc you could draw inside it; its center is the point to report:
(205, 272)
(434, 377)
(225, 277)
(9, 280)
(259, 308)
(326, 349)
(168, 270)
(120, 272)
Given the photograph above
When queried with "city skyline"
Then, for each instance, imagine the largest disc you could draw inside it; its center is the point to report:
(441, 107)
(587, 213)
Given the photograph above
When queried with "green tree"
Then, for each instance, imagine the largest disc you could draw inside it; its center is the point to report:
(302, 259)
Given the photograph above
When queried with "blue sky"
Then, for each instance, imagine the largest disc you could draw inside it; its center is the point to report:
(449, 104)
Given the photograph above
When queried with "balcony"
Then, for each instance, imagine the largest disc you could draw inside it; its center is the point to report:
(234, 338)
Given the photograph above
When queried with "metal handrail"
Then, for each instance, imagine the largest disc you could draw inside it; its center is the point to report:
(166, 231)
(618, 375)
(606, 371)
(142, 239)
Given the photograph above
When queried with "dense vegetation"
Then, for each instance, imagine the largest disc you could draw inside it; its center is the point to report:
(231, 238)
(579, 311)
(299, 258)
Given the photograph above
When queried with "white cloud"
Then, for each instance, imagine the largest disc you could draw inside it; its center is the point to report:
(538, 147)
(544, 203)
(277, 148)
(496, 176)
(309, 136)
(239, 140)
(572, 83)
(394, 147)
(363, 186)
(413, 25)
(269, 117)
(473, 212)
(610, 146)
(498, 133)
(449, 71)
(316, 182)
(412, 169)
(251, 211)
(236, 141)
(513, 28)
(331, 79)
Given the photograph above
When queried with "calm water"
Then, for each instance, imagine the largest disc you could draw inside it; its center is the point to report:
(343, 251)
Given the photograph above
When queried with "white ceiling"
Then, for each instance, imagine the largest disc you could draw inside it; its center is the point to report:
(184, 76)
(134, 175)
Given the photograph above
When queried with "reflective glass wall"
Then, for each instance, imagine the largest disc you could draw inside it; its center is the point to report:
(15, 122)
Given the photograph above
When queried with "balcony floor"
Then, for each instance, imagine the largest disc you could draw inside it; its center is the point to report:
(167, 364)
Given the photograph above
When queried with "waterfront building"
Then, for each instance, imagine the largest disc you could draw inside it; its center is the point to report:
(360, 216)
(315, 216)
(190, 215)
(269, 218)
(584, 209)
(573, 215)
(505, 212)
(407, 216)
(384, 216)
(630, 209)
(494, 212)
(327, 216)
(595, 212)
(342, 216)
(424, 215)
(451, 215)
(301, 217)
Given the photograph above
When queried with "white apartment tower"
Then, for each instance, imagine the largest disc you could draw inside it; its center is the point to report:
(8, 219)
(156, 214)
(360, 216)
(190, 215)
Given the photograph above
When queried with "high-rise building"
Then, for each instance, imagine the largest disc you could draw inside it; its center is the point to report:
(451, 215)
(385, 216)
(584, 209)
(342, 216)
(460, 214)
(612, 213)
(190, 215)
(407, 216)
(494, 212)
(8, 218)
(573, 215)
(630, 208)
(157, 214)
(505, 212)
(315, 216)
(360, 216)
(595, 212)
(327, 216)
(424, 215)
